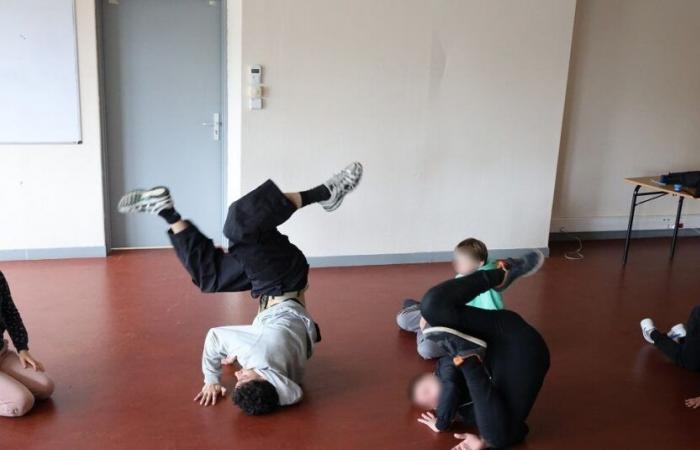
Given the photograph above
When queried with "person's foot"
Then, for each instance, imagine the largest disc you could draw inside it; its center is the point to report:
(410, 303)
(647, 328)
(677, 332)
(458, 345)
(150, 201)
(341, 184)
(516, 268)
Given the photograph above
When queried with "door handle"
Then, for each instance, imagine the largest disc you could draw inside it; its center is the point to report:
(215, 125)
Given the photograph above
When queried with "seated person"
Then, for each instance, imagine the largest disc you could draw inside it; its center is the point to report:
(274, 348)
(470, 255)
(22, 378)
(681, 344)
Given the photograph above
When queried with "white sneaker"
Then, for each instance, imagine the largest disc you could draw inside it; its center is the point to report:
(677, 332)
(341, 184)
(150, 201)
(647, 328)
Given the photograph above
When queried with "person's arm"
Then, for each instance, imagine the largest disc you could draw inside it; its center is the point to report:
(15, 327)
(449, 396)
(212, 358)
(288, 391)
(11, 317)
(212, 355)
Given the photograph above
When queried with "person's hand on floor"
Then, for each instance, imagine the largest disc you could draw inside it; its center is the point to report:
(693, 403)
(429, 420)
(469, 442)
(209, 394)
(28, 360)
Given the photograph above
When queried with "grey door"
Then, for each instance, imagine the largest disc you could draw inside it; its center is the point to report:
(162, 74)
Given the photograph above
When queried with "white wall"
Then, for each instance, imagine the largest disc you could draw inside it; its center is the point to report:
(633, 109)
(51, 196)
(455, 108)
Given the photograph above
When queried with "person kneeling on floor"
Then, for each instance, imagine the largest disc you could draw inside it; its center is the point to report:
(22, 377)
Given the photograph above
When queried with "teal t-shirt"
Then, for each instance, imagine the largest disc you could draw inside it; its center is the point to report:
(489, 299)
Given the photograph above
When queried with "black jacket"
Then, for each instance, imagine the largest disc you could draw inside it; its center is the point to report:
(10, 319)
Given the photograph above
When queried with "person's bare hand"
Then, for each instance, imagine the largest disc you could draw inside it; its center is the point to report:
(429, 420)
(28, 360)
(209, 393)
(693, 403)
(469, 442)
(228, 360)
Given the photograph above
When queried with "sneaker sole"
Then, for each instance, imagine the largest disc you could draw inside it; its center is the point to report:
(454, 332)
(147, 196)
(538, 266)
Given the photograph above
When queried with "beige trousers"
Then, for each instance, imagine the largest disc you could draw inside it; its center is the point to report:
(19, 387)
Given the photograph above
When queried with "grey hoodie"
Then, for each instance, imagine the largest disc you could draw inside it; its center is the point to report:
(276, 345)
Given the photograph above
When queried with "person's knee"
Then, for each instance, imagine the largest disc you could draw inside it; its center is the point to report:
(430, 350)
(43, 387)
(17, 404)
(402, 320)
(429, 304)
(408, 319)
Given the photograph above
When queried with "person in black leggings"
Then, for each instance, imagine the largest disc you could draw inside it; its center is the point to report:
(505, 384)
(681, 345)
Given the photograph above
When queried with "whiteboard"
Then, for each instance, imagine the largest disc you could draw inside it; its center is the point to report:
(39, 86)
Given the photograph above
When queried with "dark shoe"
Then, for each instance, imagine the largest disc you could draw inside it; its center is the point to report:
(519, 267)
(458, 345)
(410, 303)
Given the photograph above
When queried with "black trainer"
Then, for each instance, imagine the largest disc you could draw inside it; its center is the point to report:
(515, 268)
(410, 303)
(458, 345)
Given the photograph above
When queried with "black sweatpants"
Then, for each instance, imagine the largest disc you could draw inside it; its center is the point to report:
(517, 356)
(260, 258)
(685, 353)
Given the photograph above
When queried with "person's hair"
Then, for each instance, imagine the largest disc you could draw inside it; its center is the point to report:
(412, 384)
(474, 248)
(256, 397)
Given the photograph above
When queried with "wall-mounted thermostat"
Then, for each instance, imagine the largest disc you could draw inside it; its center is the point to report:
(255, 74)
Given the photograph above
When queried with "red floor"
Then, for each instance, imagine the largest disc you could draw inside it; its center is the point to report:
(122, 337)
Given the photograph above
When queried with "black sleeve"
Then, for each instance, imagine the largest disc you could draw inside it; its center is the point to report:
(11, 318)
(451, 378)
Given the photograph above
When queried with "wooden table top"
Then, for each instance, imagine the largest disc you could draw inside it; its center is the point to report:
(652, 183)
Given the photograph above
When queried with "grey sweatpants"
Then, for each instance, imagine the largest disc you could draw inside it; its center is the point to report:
(408, 319)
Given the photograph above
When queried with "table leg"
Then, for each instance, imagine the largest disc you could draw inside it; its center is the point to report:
(676, 226)
(629, 224)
